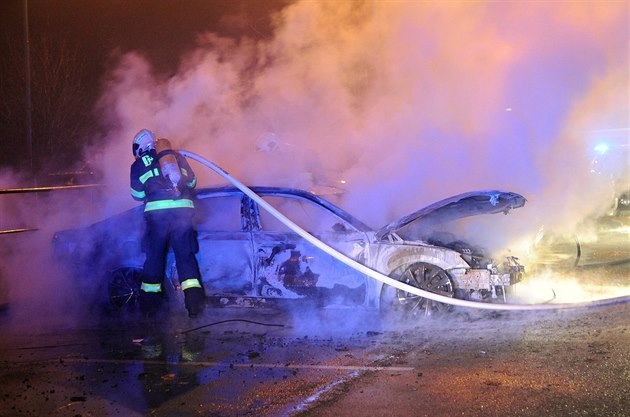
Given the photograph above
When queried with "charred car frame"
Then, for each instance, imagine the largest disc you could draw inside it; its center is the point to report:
(246, 256)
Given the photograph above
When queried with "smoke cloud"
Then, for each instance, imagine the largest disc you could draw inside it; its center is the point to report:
(406, 102)
(38, 292)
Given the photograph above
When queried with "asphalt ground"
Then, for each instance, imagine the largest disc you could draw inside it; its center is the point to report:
(283, 361)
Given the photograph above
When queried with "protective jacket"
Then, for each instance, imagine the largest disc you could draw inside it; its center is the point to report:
(148, 184)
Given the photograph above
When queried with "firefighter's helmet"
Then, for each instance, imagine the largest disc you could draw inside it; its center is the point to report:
(143, 142)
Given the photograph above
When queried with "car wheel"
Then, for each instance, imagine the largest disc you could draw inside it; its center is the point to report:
(124, 286)
(403, 304)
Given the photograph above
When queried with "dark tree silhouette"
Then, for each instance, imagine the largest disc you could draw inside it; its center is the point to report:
(62, 97)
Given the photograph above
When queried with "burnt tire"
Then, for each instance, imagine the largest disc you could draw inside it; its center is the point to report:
(123, 287)
(399, 304)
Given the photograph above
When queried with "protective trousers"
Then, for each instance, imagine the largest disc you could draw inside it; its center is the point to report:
(174, 228)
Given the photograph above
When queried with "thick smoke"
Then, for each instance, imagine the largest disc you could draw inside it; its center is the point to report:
(406, 102)
(33, 284)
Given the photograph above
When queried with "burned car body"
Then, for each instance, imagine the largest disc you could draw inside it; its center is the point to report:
(247, 256)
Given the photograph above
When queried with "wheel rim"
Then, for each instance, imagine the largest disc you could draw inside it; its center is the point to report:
(425, 277)
(124, 287)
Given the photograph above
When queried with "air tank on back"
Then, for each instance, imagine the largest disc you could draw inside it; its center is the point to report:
(168, 163)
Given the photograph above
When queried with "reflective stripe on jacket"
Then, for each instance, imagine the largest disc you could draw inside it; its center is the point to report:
(168, 204)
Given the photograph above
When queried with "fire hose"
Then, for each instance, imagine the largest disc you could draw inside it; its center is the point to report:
(382, 277)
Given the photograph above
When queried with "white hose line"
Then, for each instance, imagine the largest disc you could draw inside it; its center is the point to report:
(379, 276)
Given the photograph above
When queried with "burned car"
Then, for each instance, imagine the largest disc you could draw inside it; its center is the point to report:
(247, 256)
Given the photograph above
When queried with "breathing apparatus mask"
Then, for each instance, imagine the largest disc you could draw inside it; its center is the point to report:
(143, 142)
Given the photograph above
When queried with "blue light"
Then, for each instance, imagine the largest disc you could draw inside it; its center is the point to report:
(601, 148)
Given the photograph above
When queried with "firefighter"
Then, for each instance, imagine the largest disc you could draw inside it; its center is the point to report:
(168, 212)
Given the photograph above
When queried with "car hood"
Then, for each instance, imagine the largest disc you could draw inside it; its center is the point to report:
(463, 205)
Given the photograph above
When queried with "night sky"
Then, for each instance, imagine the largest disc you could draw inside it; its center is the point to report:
(160, 28)
(99, 32)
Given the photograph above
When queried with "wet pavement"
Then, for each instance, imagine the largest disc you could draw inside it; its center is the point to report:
(526, 364)
(315, 362)
(230, 362)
